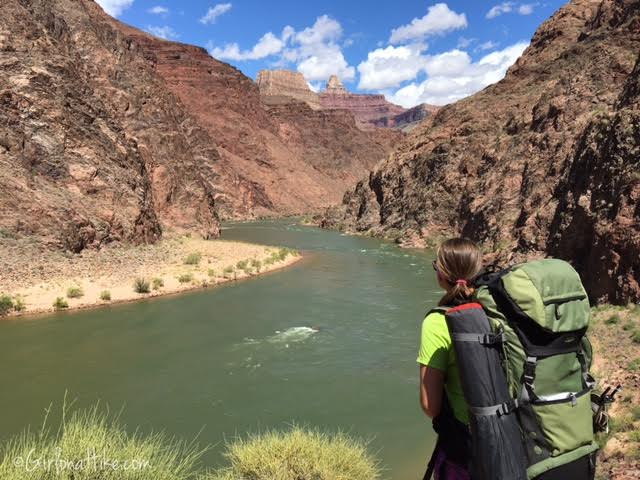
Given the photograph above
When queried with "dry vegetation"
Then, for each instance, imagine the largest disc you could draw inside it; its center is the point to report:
(36, 279)
(615, 333)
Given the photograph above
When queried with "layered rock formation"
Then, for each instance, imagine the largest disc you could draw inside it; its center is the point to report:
(93, 147)
(408, 119)
(544, 162)
(108, 134)
(279, 86)
(366, 108)
(278, 159)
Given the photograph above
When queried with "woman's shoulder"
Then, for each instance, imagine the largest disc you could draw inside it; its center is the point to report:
(435, 318)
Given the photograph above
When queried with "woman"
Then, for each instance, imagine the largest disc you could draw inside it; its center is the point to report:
(457, 264)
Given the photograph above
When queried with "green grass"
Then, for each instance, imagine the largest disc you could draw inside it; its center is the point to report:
(105, 296)
(299, 454)
(94, 434)
(157, 283)
(6, 305)
(635, 336)
(627, 326)
(141, 285)
(19, 305)
(186, 278)
(613, 320)
(257, 264)
(60, 304)
(193, 259)
(75, 292)
(634, 365)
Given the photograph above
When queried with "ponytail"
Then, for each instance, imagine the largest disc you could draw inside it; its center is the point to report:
(458, 262)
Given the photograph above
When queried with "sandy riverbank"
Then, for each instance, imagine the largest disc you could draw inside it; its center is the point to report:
(38, 277)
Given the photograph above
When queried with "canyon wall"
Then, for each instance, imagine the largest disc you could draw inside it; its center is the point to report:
(285, 85)
(93, 147)
(545, 162)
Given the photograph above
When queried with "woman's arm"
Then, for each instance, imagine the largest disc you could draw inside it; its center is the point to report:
(431, 389)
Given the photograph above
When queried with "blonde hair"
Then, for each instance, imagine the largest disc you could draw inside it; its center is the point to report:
(459, 261)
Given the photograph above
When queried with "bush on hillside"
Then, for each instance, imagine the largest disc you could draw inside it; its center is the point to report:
(193, 259)
(75, 292)
(6, 305)
(60, 304)
(105, 296)
(298, 454)
(141, 285)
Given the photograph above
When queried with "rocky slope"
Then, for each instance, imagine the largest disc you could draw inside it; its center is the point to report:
(408, 119)
(543, 162)
(278, 159)
(93, 148)
(108, 134)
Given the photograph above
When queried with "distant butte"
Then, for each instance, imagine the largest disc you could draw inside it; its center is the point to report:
(278, 87)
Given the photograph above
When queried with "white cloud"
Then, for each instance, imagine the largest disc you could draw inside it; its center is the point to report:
(165, 32)
(509, 7)
(438, 20)
(389, 67)
(452, 75)
(115, 7)
(526, 9)
(159, 10)
(464, 42)
(214, 12)
(315, 50)
(268, 45)
(488, 45)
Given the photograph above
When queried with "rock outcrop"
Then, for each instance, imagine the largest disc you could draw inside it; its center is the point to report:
(545, 162)
(280, 86)
(108, 134)
(366, 108)
(408, 119)
(281, 158)
(93, 147)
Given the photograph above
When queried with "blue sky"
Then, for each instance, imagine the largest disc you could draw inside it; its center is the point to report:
(413, 51)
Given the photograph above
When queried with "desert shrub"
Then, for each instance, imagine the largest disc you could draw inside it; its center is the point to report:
(248, 270)
(6, 305)
(157, 283)
(148, 457)
(299, 454)
(60, 304)
(19, 305)
(257, 264)
(105, 296)
(211, 273)
(75, 292)
(193, 259)
(612, 320)
(635, 337)
(141, 285)
(186, 278)
(268, 261)
(241, 265)
(228, 272)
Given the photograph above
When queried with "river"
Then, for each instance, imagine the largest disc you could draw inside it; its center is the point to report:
(245, 357)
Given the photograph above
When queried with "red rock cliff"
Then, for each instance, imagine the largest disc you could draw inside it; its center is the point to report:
(93, 147)
(543, 162)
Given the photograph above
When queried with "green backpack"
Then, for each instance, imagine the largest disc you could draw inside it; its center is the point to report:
(542, 311)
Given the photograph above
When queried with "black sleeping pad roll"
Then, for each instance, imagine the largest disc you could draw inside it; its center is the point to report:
(497, 449)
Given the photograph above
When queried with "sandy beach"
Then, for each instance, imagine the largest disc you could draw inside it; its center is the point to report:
(36, 277)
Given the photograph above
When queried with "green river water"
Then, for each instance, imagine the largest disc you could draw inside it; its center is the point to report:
(241, 357)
